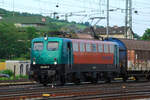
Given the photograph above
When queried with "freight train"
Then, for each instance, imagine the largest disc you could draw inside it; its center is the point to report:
(61, 60)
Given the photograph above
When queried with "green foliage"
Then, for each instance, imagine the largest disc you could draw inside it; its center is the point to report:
(21, 77)
(11, 45)
(4, 78)
(15, 78)
(8, 72)
(137, 36)
(31, 33)
(146, 35)
(15, 44)
(8, 39)
(2, 60)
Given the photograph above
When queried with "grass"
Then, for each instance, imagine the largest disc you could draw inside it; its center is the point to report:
(11, 75)
(14, 78)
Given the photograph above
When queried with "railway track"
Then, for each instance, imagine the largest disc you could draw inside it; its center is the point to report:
(76, 92)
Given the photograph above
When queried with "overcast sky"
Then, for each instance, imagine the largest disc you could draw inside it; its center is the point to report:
(83, 10)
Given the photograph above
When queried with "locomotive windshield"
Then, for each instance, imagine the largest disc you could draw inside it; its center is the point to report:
(38, 46)
(52, 46)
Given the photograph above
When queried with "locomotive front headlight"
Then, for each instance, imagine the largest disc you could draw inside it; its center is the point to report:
(55, 63)
(34, 63)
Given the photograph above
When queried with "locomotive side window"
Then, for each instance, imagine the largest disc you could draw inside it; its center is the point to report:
(52, 46)
(111, 48)
(106, 48)
(38, 46)
(100, 47)
(75, 47)
(88, 47)
(93, 46)
(82, 48)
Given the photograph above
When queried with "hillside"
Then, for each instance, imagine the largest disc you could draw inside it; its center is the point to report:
(47, 25)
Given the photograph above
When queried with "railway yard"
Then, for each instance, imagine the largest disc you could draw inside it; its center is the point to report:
(116, 90)
(74, 50)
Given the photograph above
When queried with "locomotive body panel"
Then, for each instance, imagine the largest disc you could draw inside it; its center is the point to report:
(93, 52)
(42, 53)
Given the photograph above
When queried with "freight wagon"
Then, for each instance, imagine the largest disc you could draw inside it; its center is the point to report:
(134, 57)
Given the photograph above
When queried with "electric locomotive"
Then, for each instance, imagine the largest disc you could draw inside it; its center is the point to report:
(62, 60)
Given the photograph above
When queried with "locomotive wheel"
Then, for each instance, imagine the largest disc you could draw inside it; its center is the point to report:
(125, 79)
(108, 80)
(45, 84)
(147, 77)
(94, 80)
(62, 79)
(136, 78)
(77, 81)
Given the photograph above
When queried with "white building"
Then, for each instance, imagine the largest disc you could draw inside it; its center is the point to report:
(18, 67)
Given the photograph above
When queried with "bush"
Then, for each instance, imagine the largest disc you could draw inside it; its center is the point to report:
(8, 72)
(4, 78)
(2, 60)
(21, 77)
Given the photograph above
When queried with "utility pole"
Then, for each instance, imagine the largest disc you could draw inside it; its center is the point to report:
(107, 29)
(66, 17)
(13, 8)
(130, 13)
(54, 15)
(128, 17)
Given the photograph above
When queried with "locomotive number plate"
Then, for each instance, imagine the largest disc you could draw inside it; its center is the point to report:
(43, 67)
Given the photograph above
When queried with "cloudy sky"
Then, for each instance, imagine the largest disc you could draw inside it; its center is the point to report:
(83, 10)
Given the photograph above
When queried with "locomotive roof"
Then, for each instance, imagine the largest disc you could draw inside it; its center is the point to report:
(78, 40)
(42, 38)
(128, 44)
(93, 41)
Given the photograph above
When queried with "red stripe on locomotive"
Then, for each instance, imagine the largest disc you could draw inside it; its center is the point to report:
(86, 57)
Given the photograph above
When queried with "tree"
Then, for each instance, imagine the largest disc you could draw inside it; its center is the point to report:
(53, 27)
(8, 39)
(87, 23)
(31, 33)
(146, 35)
(13, 44)
(136, 36)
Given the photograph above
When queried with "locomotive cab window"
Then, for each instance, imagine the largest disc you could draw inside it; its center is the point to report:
(38, 46)
(52, 46)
